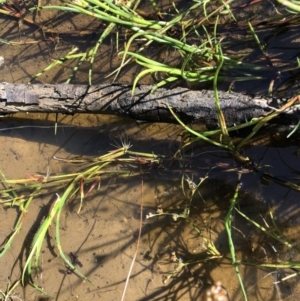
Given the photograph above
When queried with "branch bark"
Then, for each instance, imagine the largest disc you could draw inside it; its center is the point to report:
(190, 106)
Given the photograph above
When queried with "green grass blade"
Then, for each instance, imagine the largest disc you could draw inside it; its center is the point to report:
(228, 221)
(39, 239)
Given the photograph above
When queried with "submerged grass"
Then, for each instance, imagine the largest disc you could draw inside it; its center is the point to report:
(203, 61)
(19, 193)
(228, 226)
(71, 184)
(94, 174)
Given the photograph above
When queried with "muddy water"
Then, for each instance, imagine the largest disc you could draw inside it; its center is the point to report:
(104, 234)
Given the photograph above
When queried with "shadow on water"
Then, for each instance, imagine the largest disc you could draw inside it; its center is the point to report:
(103, 236)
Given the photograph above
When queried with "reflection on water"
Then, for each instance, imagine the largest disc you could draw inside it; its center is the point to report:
(178, 258)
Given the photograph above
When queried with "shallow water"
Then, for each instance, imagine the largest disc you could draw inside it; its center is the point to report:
(104, 234)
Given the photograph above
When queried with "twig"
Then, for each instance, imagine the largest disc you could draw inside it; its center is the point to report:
(137, 246)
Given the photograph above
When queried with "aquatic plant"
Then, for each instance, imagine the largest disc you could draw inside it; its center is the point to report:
(200, 61)
(13, 195)
(204, 61)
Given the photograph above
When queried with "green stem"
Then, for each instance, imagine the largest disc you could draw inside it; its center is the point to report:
(228, 221)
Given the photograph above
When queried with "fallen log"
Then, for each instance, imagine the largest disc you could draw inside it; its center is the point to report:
(190, 106)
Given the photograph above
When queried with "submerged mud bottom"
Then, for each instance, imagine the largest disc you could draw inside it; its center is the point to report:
(183, 248)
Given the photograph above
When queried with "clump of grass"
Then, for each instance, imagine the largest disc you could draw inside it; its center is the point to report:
(200, 61)
(19, 193)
